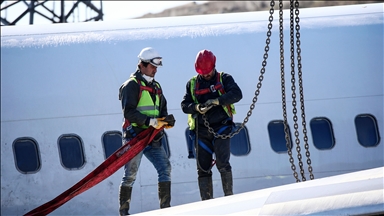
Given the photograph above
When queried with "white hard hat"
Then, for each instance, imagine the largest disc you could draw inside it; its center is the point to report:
(151, 56)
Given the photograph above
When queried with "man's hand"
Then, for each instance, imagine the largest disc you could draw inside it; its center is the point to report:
(157, 123)
(202, 109)
(211, 102)
(170, 120)
(168, 126)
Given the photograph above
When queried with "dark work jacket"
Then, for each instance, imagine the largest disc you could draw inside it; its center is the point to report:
(216, 116)
(129, 97)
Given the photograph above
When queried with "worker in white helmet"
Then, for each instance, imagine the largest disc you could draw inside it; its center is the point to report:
(144, 105)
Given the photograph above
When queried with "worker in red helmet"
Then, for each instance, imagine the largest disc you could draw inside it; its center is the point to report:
(211, 94)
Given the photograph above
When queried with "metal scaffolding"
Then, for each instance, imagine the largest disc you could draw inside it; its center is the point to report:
(57, 13)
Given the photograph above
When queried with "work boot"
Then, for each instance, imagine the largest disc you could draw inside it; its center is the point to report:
(227, 182)
(125, 199)
(205, 186)
(165, 194)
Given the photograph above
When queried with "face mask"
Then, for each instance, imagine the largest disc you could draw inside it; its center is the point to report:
(148, 78)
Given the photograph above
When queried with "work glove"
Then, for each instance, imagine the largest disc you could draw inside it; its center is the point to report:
(170, 120)
(157, 123)
(202, 109)
(168, 126)
(211, 102)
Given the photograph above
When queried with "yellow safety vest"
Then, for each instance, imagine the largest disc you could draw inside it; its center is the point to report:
(145, 104)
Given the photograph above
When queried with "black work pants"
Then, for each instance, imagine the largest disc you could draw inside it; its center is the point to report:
(208, 145)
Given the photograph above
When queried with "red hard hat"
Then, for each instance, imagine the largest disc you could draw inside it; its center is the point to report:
(205, 62)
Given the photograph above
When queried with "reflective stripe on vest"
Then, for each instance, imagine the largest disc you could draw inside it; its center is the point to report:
(194, 88)
(145, 104)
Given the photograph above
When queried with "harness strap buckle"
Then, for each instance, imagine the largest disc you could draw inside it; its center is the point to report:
(127, 128)
(212, 87)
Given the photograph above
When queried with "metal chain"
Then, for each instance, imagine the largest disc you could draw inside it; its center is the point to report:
(297, 20)
(293, 88)
(257, 92)
(286, 129)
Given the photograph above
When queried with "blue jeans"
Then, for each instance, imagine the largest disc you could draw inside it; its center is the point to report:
(157, 156)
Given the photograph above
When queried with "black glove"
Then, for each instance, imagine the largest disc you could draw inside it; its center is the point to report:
(171, 121)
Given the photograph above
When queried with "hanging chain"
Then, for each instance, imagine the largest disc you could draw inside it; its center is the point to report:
(293, 88)
(288, 142)
(286, 129)
(257, 92)
(297, 20)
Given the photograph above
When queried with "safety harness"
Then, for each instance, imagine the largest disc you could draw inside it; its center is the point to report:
(229, 109)
(147, 105)
(219, 87)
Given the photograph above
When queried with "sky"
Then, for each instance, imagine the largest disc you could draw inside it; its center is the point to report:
(113, 10)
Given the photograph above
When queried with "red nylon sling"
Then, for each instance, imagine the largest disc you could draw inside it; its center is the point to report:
(114, 162)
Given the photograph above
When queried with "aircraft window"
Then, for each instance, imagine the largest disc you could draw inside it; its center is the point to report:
(111, 142)
(240, 144)
(26, 154)
(367, 130)
(165, 144)
(277, 136)
(322, 133)
(71, 151)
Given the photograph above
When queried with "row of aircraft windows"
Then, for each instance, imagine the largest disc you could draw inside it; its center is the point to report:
(71, 151)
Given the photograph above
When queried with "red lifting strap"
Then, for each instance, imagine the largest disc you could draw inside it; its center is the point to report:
(114, 162)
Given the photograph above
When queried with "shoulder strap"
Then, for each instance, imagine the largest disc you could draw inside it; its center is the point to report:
(193, 87)
(220, 80)
(156, 90)
(213, 88)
